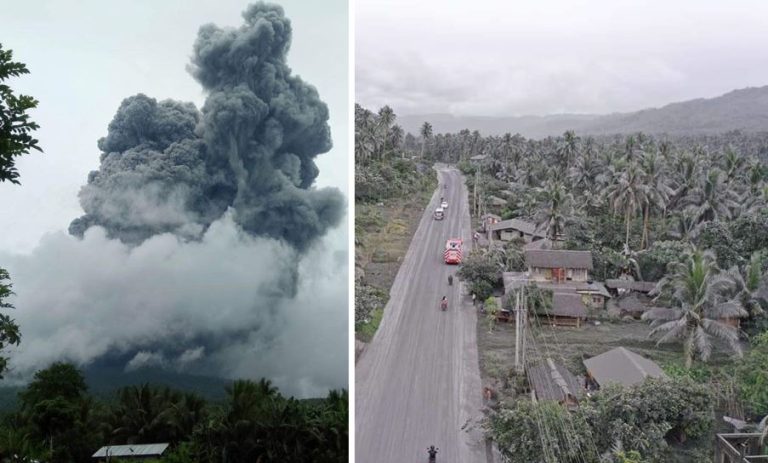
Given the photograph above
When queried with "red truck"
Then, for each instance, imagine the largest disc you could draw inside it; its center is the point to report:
(452, 254)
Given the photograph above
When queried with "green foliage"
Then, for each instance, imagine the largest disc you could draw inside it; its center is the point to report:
(491, 311)
(15, 125)
(640, 417)
(391, 178)
(9, 330)
(540, 432)
(750, 232)
(752, 377)
(655, 260)
(481, 273)
(61, 379)
(59, 422)
(716, 237)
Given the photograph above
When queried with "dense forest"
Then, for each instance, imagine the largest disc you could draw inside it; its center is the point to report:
(57, 420)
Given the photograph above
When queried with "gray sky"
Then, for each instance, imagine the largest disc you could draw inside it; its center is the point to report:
(505, 58)
(84, 57)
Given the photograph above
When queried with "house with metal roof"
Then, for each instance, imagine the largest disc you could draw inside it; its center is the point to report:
(621, 366)
(508, 230)
(138, 452)
(552, 381)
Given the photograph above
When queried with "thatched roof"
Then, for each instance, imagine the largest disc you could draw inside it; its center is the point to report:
(568, 305)
(558, 258)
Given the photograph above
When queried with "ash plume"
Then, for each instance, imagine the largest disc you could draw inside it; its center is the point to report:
(204, 246)
(167, 167)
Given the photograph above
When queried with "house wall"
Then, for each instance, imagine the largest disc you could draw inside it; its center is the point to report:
(509, 235)
(545, 274)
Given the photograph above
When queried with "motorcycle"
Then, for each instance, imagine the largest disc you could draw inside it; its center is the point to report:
(432, 451)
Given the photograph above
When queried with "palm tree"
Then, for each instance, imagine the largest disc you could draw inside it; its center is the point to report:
(627, 194)
(697, 290)
(426, 134)
(748, 284)
(385, 121)
(558, 203)
(712, 200)
(142, 414)
(657, 192)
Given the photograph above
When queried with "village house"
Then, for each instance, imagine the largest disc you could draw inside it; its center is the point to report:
(138, 452)
(566, 274)
(552, 381)
(620, 366)
(488, 220)
(512, 229)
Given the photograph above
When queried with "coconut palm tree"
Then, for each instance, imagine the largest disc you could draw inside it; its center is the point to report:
(628, 194)
(697, 290)
(426, 134)
(712, 200)
(556, 210)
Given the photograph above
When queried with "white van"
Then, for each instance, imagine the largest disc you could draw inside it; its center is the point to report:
(439, 213)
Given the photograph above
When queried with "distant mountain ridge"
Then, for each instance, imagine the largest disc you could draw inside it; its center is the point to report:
(745, 109)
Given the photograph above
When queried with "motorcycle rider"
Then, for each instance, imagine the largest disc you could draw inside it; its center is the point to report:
(432, 451)
(444, 303)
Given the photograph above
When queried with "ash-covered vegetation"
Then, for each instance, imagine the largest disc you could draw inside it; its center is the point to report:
(688, 213)
(389, 169)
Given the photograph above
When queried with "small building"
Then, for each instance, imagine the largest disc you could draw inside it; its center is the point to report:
(552, 381)
(620, 366)
(740, 448)
(488, 220)
(623, 286)
(593, 293)
(138, 452)
(496, 202)
(555, 265)
(568, 309)
(508, 230)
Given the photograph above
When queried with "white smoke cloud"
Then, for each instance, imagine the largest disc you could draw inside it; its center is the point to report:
(223, 305)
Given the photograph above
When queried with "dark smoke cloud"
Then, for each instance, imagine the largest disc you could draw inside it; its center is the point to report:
(166, 167)
(204, 246)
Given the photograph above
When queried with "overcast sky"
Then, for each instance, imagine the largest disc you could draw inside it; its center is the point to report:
(85, 56)
(505, 58)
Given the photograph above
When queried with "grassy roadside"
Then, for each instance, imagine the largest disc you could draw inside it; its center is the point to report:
(383, 232)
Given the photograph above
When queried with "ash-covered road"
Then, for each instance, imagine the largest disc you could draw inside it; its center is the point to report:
(418, 382)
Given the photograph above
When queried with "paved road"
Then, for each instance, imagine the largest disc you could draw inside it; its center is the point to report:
(418, 382)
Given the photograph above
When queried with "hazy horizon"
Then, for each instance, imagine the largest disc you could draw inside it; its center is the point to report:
(503, 59)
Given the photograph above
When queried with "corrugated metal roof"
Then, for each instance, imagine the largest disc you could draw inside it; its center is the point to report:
(527, 228)
(641, 286)
(552, 381)
(622, 366)
(516, 280)
(143, 450)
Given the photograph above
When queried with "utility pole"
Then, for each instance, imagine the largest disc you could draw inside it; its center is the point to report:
(520, 317)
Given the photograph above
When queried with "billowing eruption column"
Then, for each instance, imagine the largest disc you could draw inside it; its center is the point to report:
(167, 167)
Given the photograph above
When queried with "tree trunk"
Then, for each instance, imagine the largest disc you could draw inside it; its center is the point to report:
(689, 349)
(626, 220)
